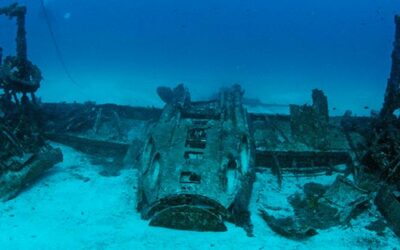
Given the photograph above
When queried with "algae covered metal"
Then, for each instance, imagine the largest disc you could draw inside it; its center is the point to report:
(24, 153)
(197, 164)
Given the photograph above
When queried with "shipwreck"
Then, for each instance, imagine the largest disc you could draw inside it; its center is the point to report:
(197, 160)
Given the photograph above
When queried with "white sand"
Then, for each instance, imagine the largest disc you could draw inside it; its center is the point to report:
(63, 210)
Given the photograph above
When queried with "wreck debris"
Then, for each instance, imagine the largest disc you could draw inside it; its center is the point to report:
(323, 207)
(378, 226)
(381, 161)
(383, 156)
(92, 146)
(388, 203)
(105, 131)
(346, 198)
(302, 162)
(178, 96)
(288, 227)
(320, 207)
(392, 95)
(12, 181)
(20, 118)
(19, 75)
(85, 117)
(276, 145)
(24, 153)
(196, 168)
(309, 124)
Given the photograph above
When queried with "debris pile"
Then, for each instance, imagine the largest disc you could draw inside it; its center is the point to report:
(320, 207)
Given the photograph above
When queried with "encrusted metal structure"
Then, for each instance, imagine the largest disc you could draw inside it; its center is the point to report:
(392, 95)
(383, 156)
(24, 153)
(18, 75)
(197, 159)
(309, 124)
(197, 165)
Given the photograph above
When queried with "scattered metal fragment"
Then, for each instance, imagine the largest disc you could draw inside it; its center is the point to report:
(288, 227)
(348, 199)
(320, 207)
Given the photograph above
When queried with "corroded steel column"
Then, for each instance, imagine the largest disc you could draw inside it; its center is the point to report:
(392, 95)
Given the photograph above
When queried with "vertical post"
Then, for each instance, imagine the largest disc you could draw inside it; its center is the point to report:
(392, 95)
(320, 105)
(22, 53)
(19, 13)
(1, 56)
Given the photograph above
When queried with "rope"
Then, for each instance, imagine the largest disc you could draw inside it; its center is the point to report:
(56, 46)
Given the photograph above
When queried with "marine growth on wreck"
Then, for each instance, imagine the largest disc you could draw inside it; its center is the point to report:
(193, 168)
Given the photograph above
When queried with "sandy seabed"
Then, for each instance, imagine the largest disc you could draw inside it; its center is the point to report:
(74, 207)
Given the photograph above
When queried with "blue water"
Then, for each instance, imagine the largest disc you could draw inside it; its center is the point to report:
(120, 51)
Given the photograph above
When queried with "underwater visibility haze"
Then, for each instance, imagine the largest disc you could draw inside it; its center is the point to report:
(213, 124)
(119, 51)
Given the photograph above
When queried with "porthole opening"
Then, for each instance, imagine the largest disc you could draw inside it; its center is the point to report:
(196, 138)
(190, 178)
(232, 175)
(147, 153)
(155, 170)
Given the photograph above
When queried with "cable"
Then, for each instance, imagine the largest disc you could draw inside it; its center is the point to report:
(54, 40)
